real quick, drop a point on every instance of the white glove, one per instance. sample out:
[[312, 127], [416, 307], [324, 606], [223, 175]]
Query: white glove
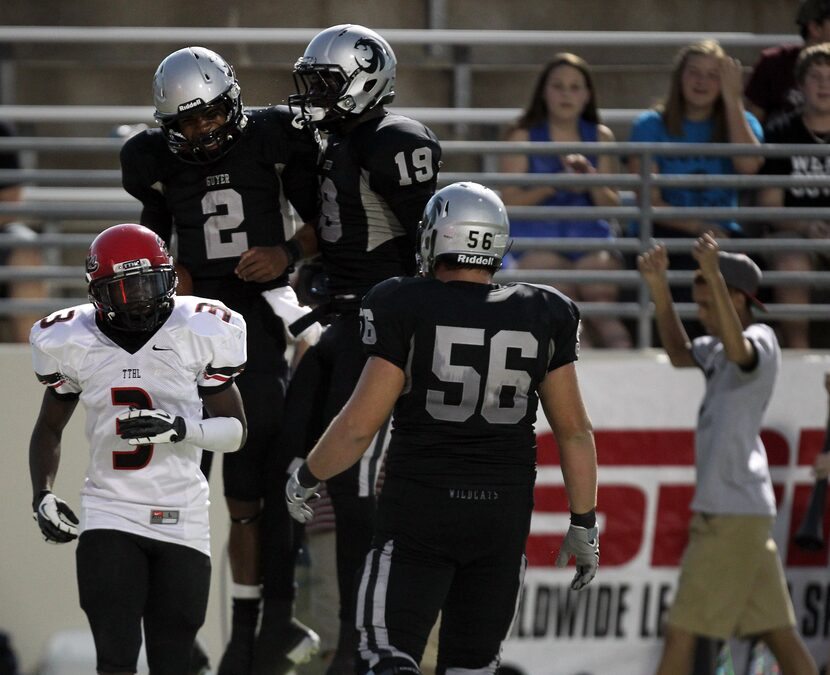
[[144, 427], [583, 544], [297, 496], [283, 302], [55, 519]]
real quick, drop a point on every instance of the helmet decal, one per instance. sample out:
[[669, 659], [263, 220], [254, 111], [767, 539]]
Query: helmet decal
[[375, 60], [345, 71]]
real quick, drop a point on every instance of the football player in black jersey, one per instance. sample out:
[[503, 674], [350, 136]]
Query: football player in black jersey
[[465, 363], [217, 177], [378, 172]]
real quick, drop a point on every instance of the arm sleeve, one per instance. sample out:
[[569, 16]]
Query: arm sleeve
[[136, 180], [229, 349], [403, 169], [647, 128], [387, 326], [565, 333], [299, 177], [48, 368], [755, 126]]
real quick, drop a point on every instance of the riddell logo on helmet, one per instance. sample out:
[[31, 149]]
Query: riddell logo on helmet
[[191, 104], [465, 259]]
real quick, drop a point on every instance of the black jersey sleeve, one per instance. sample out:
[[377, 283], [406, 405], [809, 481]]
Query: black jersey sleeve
[[136, 177], [403, 162], [300, 176], [564, 316], [387, 321]]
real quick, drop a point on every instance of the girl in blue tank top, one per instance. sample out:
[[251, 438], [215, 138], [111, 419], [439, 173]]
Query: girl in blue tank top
[[563, 108]]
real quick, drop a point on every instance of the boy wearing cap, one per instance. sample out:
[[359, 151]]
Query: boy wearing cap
[[731, 580], [771, 89]]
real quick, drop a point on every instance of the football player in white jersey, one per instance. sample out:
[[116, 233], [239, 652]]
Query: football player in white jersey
[[144, 362]]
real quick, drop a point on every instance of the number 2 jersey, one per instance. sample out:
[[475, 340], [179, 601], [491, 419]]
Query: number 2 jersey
[[474, 356], [157, 491], [376, 181], [223, 208]]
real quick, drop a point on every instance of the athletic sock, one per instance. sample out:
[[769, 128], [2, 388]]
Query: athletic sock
[[239, 651]]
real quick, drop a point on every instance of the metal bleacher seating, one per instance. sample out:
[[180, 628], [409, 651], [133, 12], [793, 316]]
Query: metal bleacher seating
[[68, 203]]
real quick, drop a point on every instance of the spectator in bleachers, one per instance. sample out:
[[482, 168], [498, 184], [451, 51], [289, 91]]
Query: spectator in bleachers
[[563, 108], [704, 105], [16, 327], [771, 89], [809, 126]]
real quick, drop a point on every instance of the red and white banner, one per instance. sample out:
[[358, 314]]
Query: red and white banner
[[644, 412]]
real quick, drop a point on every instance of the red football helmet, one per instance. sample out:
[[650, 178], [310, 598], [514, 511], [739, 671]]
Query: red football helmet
[[131, 277]]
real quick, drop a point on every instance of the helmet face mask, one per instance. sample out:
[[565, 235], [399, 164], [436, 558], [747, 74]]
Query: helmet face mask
[[345, 71], [464, 224], [131, 278], [196, 82]]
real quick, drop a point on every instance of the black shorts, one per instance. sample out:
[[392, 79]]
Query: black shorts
[[262, 385], [124, 578], [461, 553]]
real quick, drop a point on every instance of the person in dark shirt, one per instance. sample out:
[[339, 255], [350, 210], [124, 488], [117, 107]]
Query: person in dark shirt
[[464, 363], [771, 90], [810, 125], [378, 172], [215, 177]]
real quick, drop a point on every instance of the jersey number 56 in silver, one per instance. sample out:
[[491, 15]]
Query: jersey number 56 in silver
[[498, 376]]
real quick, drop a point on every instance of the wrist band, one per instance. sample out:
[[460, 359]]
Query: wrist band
[[307, 479], [586, 520], [292, 248]]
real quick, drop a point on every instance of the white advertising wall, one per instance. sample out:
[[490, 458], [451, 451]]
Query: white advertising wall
[[644, 413]]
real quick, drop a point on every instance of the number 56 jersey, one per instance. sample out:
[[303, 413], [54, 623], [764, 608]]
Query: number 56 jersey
[[158, 490], [474, 356]]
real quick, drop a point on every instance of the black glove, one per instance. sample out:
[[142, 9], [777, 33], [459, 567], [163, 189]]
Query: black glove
[[146, 426], [54, 518]]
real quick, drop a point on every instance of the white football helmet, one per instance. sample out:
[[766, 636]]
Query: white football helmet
[[192, 81], [463, 223], [345, 70]]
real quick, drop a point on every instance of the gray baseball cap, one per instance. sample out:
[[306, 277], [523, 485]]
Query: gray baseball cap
[[742, 274]]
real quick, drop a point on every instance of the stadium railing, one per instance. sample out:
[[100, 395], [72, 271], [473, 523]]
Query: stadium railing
[[55, 198]]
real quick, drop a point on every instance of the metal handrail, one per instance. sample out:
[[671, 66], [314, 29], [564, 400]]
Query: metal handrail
[[396, 36], [113, 204]]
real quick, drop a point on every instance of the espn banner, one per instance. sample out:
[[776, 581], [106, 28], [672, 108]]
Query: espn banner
[[644, 413]]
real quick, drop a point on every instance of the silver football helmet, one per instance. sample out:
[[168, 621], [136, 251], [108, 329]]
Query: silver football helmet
[[463, 223], [197, 81], [345, 70]]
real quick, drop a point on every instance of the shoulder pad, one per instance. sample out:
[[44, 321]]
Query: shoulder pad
[[208, 317], [63, 327]]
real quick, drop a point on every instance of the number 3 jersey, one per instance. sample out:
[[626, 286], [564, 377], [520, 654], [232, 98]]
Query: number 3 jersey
[[156, 491], [221, 209], [474, 356]]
